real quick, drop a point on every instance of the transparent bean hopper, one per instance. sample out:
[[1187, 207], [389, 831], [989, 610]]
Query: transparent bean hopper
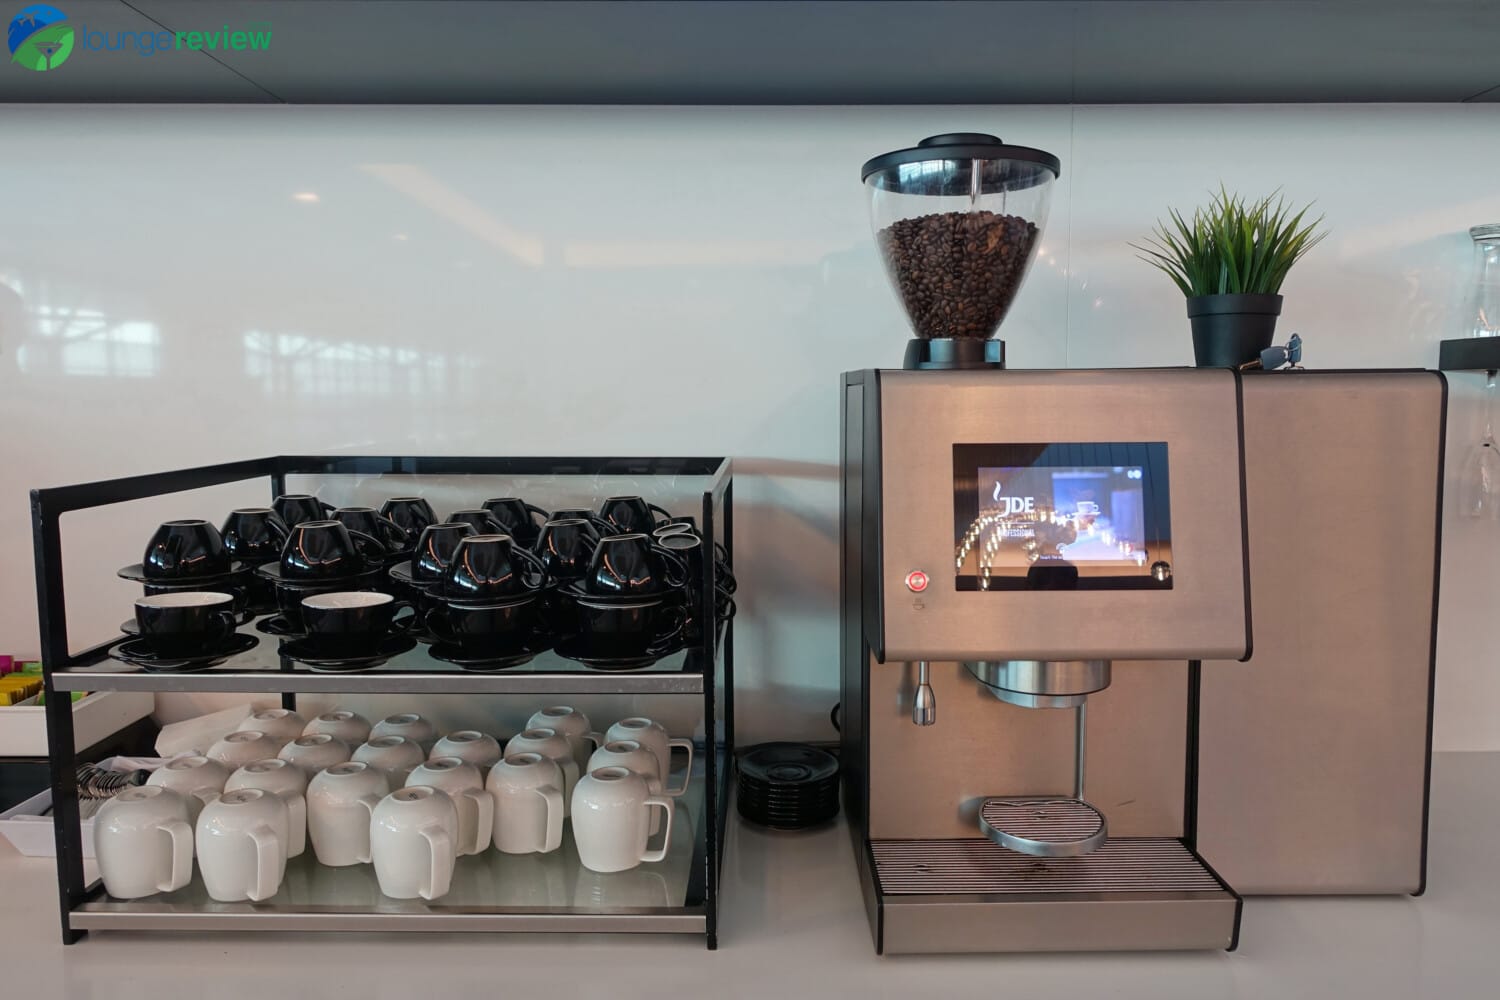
[[958, 219]]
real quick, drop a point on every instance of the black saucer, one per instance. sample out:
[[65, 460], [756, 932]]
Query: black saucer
[[401, 573], [136, 573], [138, 652], [278, 625], [322, 655], [272, 571], [451, 652], [574, 648], [241, 617]]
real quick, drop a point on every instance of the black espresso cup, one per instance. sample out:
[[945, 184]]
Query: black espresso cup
[[631, 514], [410, 514], [688, 547], [185, 622], [566, 546], [614, 628], [254, 535], [482, 521], [324, 550], [493, 626], [632, 565], [185, 550], [486, 567], [435, 548], [244, 589], [601, 526], [518, 519], [368, 521], [296, 508], [355, 618], [290, 595]]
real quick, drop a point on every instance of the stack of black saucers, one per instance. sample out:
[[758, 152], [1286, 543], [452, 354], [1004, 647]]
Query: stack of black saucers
[[788, 786]]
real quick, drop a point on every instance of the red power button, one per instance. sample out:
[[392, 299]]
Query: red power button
[[916, 581]]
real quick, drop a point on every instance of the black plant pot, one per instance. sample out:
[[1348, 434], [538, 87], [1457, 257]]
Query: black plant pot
[[1231, 330]]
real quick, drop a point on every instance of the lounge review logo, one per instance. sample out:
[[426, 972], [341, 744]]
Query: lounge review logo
[[40, 37]]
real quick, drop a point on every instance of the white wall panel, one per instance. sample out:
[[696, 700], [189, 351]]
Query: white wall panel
[[655, 281]]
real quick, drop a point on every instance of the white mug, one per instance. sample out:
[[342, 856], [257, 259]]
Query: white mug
[[315, 753], [395, 755], [471, 746], [413, 833], [239, 748], [197, 779], [242, 842], [349, 727], [654, 737], [285, 779], [549, 743], [408, 724], [461, 781], [143, 842], [281, 724], [632, 757], [527, 788], [340, 802], [612, 821], [575, 726]]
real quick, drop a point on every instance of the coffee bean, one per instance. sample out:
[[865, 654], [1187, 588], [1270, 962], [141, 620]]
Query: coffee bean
[[958, 272]]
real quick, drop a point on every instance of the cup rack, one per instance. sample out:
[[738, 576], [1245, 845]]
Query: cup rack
[[682, 896]]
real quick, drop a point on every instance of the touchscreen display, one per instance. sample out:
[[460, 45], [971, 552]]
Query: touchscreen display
[[1061, 516]]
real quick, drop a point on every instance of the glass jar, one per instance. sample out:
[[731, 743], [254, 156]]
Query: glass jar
[[958, 219], [1482, 315]]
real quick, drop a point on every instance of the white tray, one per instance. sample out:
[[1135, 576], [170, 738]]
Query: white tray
[[23, 728]]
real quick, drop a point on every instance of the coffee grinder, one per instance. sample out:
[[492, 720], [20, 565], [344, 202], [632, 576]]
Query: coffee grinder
[[1036, 566]]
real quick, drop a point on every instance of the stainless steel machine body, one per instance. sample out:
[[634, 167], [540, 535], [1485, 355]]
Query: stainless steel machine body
[[1308, 769], [1313, 762]]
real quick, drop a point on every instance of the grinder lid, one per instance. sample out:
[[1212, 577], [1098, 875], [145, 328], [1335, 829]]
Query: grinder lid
[[1028, 167]]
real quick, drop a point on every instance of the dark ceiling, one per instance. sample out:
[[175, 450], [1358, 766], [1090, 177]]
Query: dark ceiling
[[1089, 52]]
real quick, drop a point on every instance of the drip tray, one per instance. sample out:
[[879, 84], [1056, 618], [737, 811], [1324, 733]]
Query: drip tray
[[1132, 894]]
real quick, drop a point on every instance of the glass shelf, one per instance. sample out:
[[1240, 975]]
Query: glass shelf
[[260, 670], [490, 891]]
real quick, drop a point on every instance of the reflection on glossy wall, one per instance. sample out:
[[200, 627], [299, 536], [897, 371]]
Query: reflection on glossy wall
[[187, 285]]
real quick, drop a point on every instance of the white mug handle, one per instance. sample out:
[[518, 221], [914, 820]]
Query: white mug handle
[[441, 847], [485, 803], [687, 775], [552, 819], [181, 835], [369, 802], [660, 854], [267, 862]]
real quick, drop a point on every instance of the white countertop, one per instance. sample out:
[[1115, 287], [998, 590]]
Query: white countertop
[[793, 926]]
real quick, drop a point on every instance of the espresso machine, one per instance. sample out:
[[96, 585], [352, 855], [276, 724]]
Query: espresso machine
[[1058, 734]]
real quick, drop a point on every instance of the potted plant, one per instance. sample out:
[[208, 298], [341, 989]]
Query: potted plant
[[1230, 260]]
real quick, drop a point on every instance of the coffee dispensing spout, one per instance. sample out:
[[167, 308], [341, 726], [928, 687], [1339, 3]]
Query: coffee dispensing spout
[[924, 703]]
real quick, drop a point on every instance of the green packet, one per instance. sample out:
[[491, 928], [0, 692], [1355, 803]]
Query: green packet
[[41, 699], [31, 668]]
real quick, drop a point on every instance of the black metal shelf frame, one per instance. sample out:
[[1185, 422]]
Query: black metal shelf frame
[[707, 669]]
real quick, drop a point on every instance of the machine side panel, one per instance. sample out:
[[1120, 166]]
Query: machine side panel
[[1193, 412], [1312, 768], [933, 778], [851, 627]]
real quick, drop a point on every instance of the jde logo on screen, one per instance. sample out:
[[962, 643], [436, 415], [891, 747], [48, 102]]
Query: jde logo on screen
[[1010, 506], [42, 38]]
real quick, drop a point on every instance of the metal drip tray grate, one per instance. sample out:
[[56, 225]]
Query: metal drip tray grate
[[1044, 828], [1129, 864]]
